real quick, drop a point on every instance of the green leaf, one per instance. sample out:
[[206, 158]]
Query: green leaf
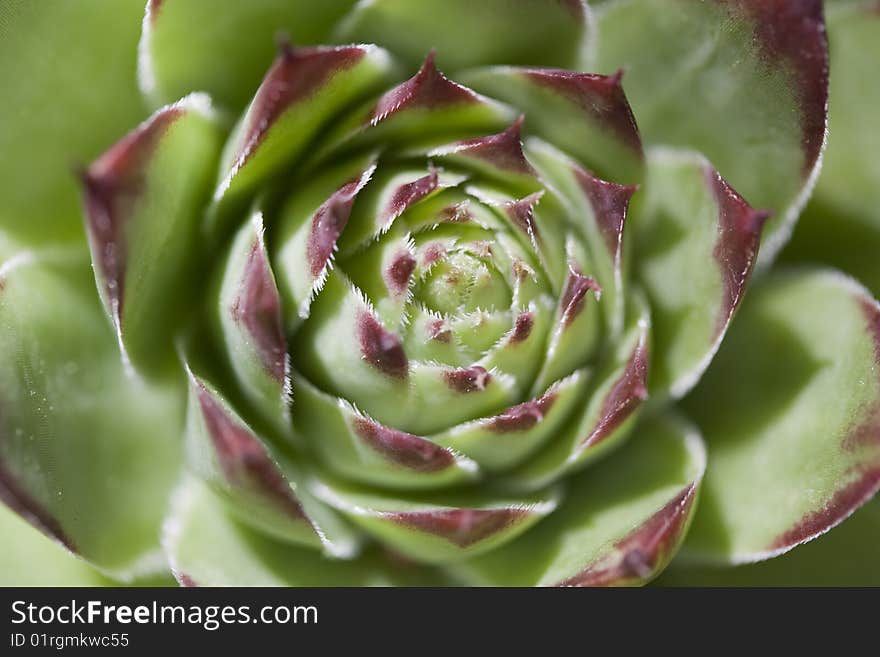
[[250, 324], [586, 115], [258, 483], [300, 94], [846, 556], [439, 527], [363, 450], [612, 404], [841, 226], [598, 210], [417, 113], [743, 82], [791, 413], [696, 241], [206, 547], [29, 558], [507, 439], [69, 92], [223, 48], [144, 200], [87, 454], [538, 32], [620, 523]]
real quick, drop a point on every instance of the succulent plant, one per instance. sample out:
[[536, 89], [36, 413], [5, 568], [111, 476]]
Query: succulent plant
[[394, 292]]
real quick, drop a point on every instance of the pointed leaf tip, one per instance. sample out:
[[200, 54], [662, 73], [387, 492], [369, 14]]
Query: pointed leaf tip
[[645, 550], [112, 185], [330, 220], [242, 458], [626, 395], [427, 89], [610, 203], [600, 97], [736, 251], [258, 307], [574, 295], [380, 347], [502, 151], [296, 74]]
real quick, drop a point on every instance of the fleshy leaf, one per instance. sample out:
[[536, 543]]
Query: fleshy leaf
[[599, 209], [300, 94], [251, 327], [506, 439], [619, 524], [846, 556], [259, 487], [614, 401], [207, 547], [584, 114], [697, 242], [841, 225], [366, 451], [745, 83], [416, 113], [223, 49], [791, 413], [144, 199], [69, 93], [29, 558], [439, 528], [311, 224], [87, 454], [539, 32]]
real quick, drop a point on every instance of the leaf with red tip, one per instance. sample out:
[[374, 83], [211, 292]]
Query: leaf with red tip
[[540, 32], [795, 445], [499, 157], [619, 524], [250, 325], [697, 241], [506, 439], [520, 352], [599, 215], [223, 49], [207, 546], [587, 116], [144, 199], [239, 466], [744, 82], [613, 403], [441, 528], [73, 424], [841, 225], [364, 450], [395, 192], [576, 329], [302, 91], [311, 223], [420, 112], [846, 556]]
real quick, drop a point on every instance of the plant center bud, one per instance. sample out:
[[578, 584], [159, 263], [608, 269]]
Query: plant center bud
[[463, 283]]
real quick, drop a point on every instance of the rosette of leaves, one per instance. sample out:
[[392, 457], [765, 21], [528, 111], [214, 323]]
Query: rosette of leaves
[[406, 296]]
